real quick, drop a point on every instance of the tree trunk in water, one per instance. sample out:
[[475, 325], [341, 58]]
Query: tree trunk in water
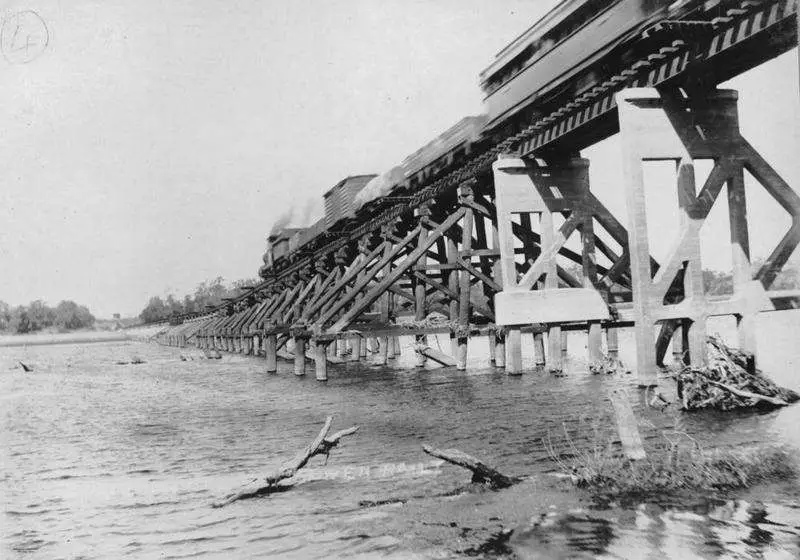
[[321, 445], [480, 471]]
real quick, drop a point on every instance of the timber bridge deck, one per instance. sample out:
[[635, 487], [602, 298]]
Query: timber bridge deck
[[475, 242]]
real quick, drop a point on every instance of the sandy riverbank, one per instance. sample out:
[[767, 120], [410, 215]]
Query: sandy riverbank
[[38, 339]]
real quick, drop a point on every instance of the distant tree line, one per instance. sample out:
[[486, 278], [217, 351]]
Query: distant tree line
[[37, 315], [718, 283], [207, 294]]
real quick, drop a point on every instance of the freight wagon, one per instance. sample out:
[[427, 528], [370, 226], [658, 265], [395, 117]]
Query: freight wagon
[[339, 200]]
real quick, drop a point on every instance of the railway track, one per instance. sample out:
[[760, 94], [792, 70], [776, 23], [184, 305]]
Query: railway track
[[688, 54]]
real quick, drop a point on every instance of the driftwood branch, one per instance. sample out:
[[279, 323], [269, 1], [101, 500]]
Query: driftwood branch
[[748, 394], [436, 355], [481, 472], [321, 445]]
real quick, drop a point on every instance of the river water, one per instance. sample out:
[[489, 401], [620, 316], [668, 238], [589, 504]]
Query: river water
[[101, 460]]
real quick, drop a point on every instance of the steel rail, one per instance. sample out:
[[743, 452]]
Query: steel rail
[[752, 28]]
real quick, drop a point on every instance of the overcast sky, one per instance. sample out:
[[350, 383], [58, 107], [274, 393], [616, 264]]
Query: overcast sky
[[151, 145]]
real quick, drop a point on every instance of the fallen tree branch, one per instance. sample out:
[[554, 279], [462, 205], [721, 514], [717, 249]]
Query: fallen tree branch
[[748, 394], [321, 445], [480, 471], [436, 355]]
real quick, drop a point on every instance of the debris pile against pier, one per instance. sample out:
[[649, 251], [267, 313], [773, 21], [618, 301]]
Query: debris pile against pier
[[607, 365], [729, 382]]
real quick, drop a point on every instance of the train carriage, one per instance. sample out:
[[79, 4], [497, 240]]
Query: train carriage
[[559, 49], [575, 47]]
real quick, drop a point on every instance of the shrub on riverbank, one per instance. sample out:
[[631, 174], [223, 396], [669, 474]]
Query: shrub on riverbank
[[681, 468]]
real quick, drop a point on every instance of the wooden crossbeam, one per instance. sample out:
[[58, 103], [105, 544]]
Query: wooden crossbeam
[[234, 319], [568, 278], [282, 340], [296, 309], [548, 253], [329, 294], [211, 327], [527, 236], [245, 320], [402, 293], [610, 223], [608, 252], [480, 275], [699, 210], [279, 312], [239, 317], [383, 263], [787, 198], [349, 274], [270, 311], [372, 295], [443, 266], [451, 295], [259, 312], [229, 320], [617, 270], [365, 272], [332, 277], [245, 317], [431, 254], [275, 301], [434, 284]]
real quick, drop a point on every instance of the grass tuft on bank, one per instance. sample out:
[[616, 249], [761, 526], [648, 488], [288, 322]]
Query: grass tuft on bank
[[682, 468]]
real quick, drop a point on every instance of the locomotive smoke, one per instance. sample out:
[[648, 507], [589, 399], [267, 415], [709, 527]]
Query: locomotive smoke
[[283, 220]]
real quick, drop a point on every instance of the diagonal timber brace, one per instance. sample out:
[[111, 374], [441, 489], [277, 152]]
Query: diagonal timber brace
[[374, 293]]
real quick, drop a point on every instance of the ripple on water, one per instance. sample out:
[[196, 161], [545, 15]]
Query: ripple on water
[[134, 457]]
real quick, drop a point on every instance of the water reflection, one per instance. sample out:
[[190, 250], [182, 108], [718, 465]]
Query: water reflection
[[710, 529]]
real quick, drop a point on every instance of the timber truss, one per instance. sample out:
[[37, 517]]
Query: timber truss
[[515, 241], [496, 258]]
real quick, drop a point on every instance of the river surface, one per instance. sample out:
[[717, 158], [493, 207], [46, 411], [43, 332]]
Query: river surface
[[101, 460]]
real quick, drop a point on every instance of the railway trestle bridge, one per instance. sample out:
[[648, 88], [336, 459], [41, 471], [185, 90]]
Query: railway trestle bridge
[[482, 242]]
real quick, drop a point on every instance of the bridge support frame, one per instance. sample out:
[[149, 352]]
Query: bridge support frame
[[525, 191], [668, 125]]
